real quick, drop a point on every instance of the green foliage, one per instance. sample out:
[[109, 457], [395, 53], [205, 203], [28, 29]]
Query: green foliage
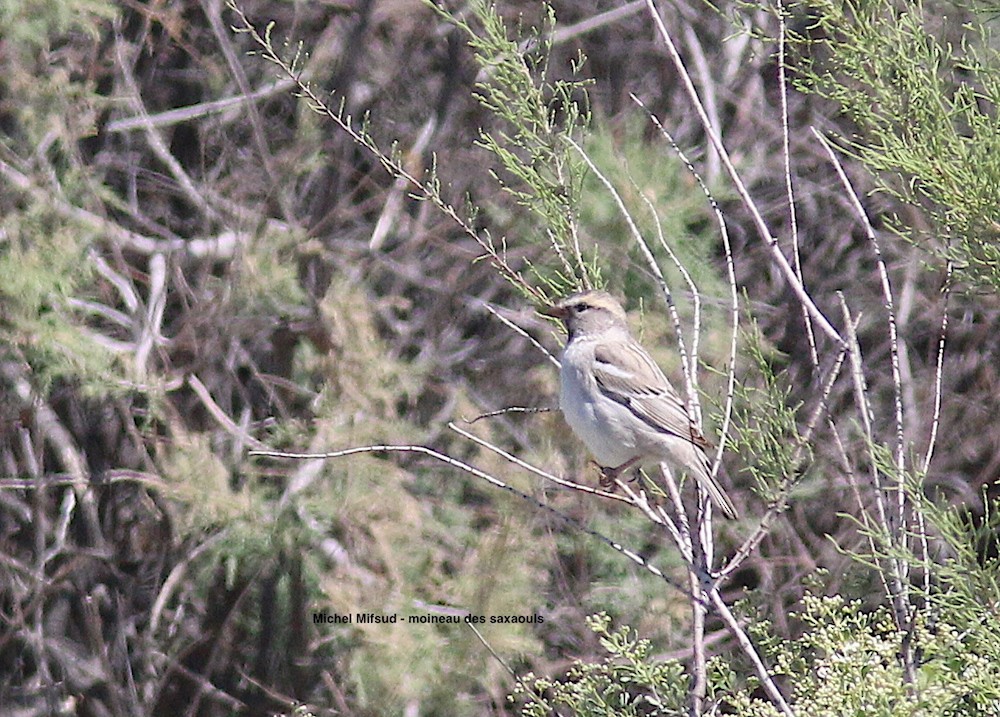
[[45, 274], [923, 89], [848, 659], [265, 282], [765, 430], [663, 200], [32, 25], [42, 266], [966, 587], [541, 170], [49, 100], [626, 683], [847, 663]]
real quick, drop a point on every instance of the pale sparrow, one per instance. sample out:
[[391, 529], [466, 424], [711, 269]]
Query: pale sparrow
[[617, 400]]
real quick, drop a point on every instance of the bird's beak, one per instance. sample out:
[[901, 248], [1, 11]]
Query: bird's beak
[[555, 311]]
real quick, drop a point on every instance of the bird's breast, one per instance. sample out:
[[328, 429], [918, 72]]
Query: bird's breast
[[592, 416]]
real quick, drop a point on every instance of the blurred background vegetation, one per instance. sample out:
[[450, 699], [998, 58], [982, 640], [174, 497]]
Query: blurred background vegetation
[[193, 264]]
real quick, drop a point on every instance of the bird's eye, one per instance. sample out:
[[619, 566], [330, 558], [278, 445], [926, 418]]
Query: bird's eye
[[580, 308]]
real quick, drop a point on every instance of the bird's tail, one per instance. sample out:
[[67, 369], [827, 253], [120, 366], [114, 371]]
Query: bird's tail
[[701, 468], [718, 496]]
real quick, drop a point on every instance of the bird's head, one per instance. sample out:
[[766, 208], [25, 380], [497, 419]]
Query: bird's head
[[588, 312]]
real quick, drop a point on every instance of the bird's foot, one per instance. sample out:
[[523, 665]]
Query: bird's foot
[[610, 475], [607, 480]]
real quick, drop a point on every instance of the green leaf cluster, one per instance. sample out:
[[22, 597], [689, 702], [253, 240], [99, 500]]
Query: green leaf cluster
[[765, 425], [538, 116], [847, 662], [627, 682], [40, 274], [921, 82]]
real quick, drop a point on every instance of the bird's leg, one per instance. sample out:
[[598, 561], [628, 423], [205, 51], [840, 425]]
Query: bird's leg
[[610, 475]]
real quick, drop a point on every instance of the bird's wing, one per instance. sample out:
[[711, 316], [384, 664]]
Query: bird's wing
[[626, 374]]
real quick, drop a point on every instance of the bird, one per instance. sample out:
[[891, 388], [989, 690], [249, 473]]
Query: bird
[[617, 400]]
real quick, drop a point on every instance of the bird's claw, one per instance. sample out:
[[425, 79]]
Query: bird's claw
[[609, 476]]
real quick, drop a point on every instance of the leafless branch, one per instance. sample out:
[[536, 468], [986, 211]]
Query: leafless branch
[[789, 189], [723, 611], [532, 469]]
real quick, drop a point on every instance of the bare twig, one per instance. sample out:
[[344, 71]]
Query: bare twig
[[521, 332], [699, 658], [653, 266], [864, 516], [526, 685], [154, 313], [173, 580], [789, 190], [36, 630], [213, 11], [220, 416], [890, 313], [124, 285], [395, 196], [938, 373], [392, 163], [935, 424], [509, 409], [220, 247], [63, 444], [596, 22], [681, 534], [689, 368], [778, 506], [898, 593], [900, 566], [202, 109], [193, 194], [532, 469], [708, 88]]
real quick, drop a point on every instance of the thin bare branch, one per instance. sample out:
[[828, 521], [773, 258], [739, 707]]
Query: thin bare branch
[[890, 312], [939, 372], [213, 11], [193, 194], [778, 506], [392, 164], [521, 332], [898, 592], [596, 22], [155, 305], [220, 247], [789, 189], [220, 416], [532, 469], [651, 263], [507, 410], [202, 109]]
